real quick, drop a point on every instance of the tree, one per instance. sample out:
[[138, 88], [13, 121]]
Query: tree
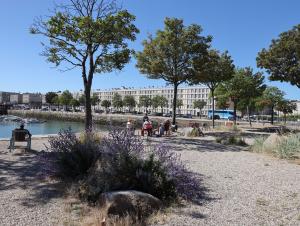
[[65, 98], [179, 104], [74, 103], [243, 87], [159, 101], [129, 102], [106, 104], [95, 100], [216, 69], [199, 104], [82, 100], [56, 100], [271, 97], [286, 107], [145, 101], [90, 35], [50, 97], [282, 59], [171, 54], [117, 101]]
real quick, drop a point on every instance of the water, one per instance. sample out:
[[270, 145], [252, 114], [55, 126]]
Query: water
[[49, 127]]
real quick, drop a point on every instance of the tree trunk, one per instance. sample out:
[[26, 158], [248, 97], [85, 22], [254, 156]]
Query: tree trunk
[[213, 107], [88, 108], [234, 112], [272, 115], [284, 115], [248, 110], [174, 104], [200, 113]]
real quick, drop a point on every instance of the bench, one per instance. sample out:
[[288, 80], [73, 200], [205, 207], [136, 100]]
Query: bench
[[20, 135]]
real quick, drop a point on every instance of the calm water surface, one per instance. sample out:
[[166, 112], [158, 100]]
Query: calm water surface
[[49, 127]]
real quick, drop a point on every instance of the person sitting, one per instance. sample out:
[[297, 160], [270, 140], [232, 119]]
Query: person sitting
[[20, 135], [160, 130], [167, 125], [147, 126]]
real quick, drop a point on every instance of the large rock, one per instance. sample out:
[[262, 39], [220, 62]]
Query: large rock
[[272, 141], [133, 203]]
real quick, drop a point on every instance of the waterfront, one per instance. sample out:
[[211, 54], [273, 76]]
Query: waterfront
[[48, 127]]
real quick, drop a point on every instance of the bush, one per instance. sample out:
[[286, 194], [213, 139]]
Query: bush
[[127, 165], [68, 157], [258, 145], [231, 140], [289, 147]]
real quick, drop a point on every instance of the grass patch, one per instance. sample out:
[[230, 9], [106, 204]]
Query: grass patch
[[287, 147]]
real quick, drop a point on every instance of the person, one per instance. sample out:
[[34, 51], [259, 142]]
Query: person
[[25, 130], [160, 130], [147, 126], [129, 124], [145, 118], [167, 125]]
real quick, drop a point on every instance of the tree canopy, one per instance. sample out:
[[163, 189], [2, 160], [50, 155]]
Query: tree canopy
[[129, 102], [171, 54], [66, 97], [217, 68], [50, 97], [145, 101], [106, 104], [117, 101], [88, 34], [244, 86], [282, 59], [199, 104]]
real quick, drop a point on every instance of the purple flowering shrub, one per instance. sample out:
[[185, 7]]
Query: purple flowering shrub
[[126, 164], [68, 157]]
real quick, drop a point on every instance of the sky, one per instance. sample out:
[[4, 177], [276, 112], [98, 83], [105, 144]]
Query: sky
[[241, 27]]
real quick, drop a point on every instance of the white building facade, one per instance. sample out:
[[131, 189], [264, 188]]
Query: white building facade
[[187, 94]]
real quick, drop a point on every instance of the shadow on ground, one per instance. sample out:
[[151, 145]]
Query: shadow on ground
[[201, 145], [21, 170]]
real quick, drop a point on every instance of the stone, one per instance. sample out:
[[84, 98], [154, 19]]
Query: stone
[[131, 202], [272, 141]]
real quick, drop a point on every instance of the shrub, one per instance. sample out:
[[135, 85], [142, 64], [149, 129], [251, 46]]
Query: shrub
[[231, 140], [195, 132], [258, 145], [288, 147], [68, 157], [127, 164]]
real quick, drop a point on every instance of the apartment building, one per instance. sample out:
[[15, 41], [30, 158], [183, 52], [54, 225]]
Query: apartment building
[[187, 94], [32, 98], [16, 98], [5, 97]]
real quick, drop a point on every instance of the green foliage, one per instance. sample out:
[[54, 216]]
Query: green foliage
[[216, 68], [66, 98], [242, 88], [106, 104], [74, 103], [195, 132], [92, 36], [117, 101], [286, 106], [287, 147], [50, 97], [145, 101], [159, 101], [82, 99], [282, 59], [129, 101], [95, 99], [171, 54], [199, 104]]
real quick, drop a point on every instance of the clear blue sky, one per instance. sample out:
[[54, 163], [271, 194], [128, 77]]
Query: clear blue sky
[[241, 27]]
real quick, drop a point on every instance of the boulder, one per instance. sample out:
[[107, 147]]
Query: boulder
[[133, 203], [272, 141]]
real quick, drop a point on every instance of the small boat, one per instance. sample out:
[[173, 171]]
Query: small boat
[[32, 120]]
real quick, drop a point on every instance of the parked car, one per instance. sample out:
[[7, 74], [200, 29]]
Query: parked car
[[215, 117], [167, 115], [187, 116]]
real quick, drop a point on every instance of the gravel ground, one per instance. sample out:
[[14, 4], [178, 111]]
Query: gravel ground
[[25, 199], [242, 188]]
